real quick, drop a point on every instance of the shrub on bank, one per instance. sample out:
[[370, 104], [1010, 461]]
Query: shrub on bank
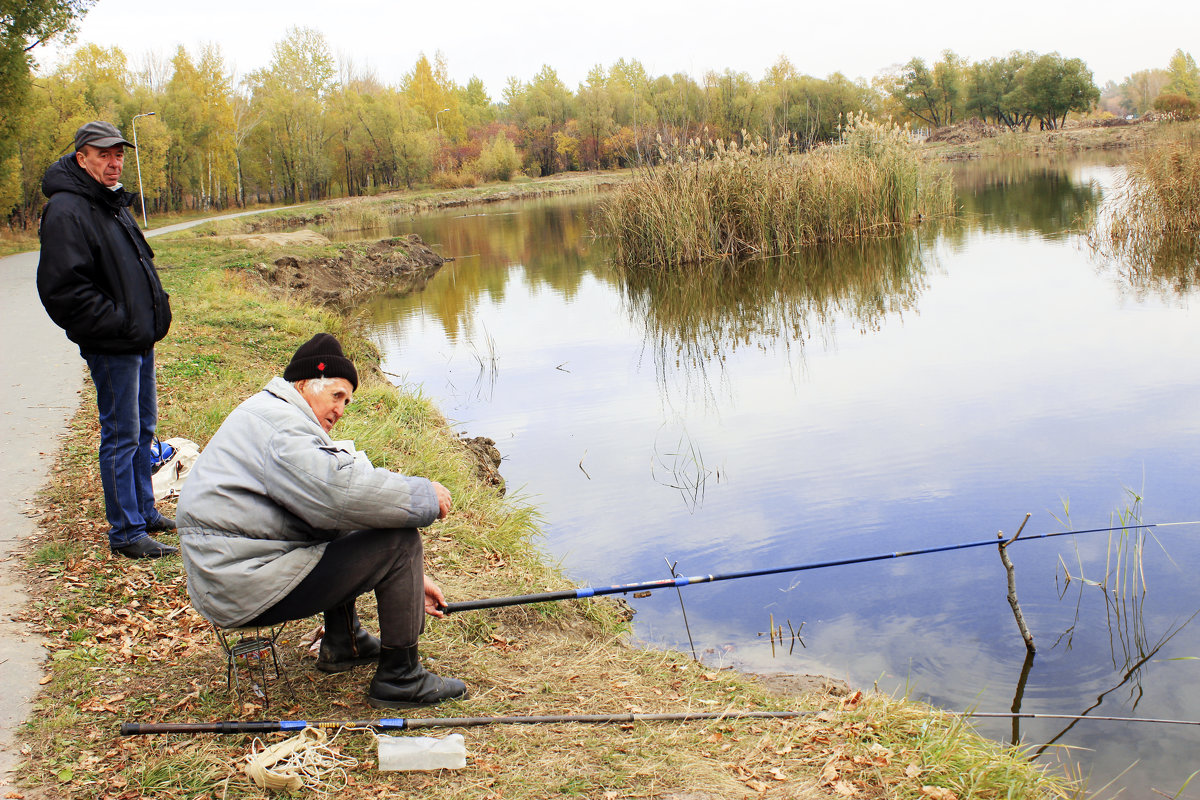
[[724, 200], [455, 179], [499, 161]]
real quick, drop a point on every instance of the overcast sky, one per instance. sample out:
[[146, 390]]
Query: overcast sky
[[495, 40]]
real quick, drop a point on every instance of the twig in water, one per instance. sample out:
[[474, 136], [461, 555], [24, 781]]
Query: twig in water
[[682, 608], [1012, 584], [581, 469]]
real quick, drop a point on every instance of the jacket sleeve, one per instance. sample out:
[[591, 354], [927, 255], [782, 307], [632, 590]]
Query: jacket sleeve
[[68, 277], [330, 489]]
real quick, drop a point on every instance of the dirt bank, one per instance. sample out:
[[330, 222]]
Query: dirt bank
[[398, 265], [975, 139]]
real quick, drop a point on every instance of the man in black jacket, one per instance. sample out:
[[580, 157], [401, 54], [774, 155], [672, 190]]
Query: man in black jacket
[[97, 280]]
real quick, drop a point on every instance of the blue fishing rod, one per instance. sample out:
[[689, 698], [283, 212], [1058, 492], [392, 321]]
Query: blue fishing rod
[[679, 581], [402, 724], [405, 724]]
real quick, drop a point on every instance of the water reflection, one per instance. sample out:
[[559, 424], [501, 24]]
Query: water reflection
[[1171, 267], [547, 241], [695, 320], [1044, 196]]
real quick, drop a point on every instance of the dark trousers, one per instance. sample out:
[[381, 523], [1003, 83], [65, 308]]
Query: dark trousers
[[390, 562], [127, 399]]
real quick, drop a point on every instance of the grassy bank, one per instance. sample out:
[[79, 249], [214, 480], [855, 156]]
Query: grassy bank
[[739, 202]]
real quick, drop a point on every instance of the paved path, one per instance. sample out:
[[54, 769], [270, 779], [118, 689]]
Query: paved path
[[44, 375]]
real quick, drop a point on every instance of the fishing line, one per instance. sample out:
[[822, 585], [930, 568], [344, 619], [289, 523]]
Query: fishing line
[[1024, 715], [625, 588]]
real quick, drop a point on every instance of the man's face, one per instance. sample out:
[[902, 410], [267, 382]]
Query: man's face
[[328, 402], [102, 163]]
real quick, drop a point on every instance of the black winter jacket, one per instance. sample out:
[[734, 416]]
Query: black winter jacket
[[96, 274]]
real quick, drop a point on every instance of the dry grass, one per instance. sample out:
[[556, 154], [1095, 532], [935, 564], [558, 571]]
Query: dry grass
[[127, 646], [1152, 228], [725, 201]]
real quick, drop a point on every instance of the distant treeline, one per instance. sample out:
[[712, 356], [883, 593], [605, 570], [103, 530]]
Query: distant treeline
[[306, 127]]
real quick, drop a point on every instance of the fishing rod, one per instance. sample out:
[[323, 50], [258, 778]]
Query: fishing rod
[[645, 586], [1026, 715], [400, 724]]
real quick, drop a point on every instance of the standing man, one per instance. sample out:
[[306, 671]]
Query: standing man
[[97, 280]]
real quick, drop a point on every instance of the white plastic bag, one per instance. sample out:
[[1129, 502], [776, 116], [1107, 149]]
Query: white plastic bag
[[168, 480], [422, 752]]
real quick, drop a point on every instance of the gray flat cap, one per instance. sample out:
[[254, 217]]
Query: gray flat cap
[[99, 134]]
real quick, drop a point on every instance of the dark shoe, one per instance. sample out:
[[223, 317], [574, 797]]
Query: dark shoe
[[401, 682], [163, 525], [146, 547], [345, 644]]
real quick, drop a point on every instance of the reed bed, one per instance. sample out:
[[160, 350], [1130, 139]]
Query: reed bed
[[723, 200], [1162, 188], [1153, 228]]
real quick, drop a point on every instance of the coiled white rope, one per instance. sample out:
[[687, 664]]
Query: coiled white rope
[[307, 759]]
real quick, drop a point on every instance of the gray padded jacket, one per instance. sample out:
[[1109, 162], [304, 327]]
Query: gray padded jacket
[[268, 491]]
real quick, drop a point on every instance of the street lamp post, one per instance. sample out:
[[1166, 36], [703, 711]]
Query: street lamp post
[[437, 121], [138, 157]]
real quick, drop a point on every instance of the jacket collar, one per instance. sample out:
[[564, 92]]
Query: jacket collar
[[286, 392]]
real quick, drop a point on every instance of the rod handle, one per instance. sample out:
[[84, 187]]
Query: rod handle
[[518, 600], [138, 728]]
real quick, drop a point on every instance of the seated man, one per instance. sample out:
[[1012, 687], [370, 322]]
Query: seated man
[[279, 522]]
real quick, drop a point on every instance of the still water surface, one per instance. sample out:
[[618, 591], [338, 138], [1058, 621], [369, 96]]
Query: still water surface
[[876, 397]]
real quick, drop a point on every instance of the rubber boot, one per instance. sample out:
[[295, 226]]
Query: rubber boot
[[345, 644], [401, 682]]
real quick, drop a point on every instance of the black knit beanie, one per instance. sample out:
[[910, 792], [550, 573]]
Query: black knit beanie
[[320, 357]]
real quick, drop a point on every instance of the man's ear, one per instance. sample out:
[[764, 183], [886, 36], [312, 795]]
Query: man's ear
[[79, 157]]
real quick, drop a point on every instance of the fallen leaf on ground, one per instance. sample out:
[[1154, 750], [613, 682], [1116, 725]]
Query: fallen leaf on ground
[[938, 793]]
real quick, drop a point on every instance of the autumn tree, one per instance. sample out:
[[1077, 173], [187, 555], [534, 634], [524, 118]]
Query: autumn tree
[[1185, 76], [994, 90], [24, 25], [540, 109], [1055, 86], [932, 96], [431, 92], [595, 117], [475, 105], [1139, 89], [198, 107], [731, 104], [293, 92]]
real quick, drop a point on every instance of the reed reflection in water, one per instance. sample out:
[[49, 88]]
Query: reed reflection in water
[[694, 319]]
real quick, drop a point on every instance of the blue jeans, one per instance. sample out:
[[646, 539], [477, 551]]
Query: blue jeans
[[127, 399]]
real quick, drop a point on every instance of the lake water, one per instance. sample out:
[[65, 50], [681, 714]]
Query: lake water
[[882, 396]]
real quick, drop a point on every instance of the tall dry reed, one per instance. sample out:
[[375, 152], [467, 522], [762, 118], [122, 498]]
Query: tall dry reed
[[718, 200], [1153, 227]]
